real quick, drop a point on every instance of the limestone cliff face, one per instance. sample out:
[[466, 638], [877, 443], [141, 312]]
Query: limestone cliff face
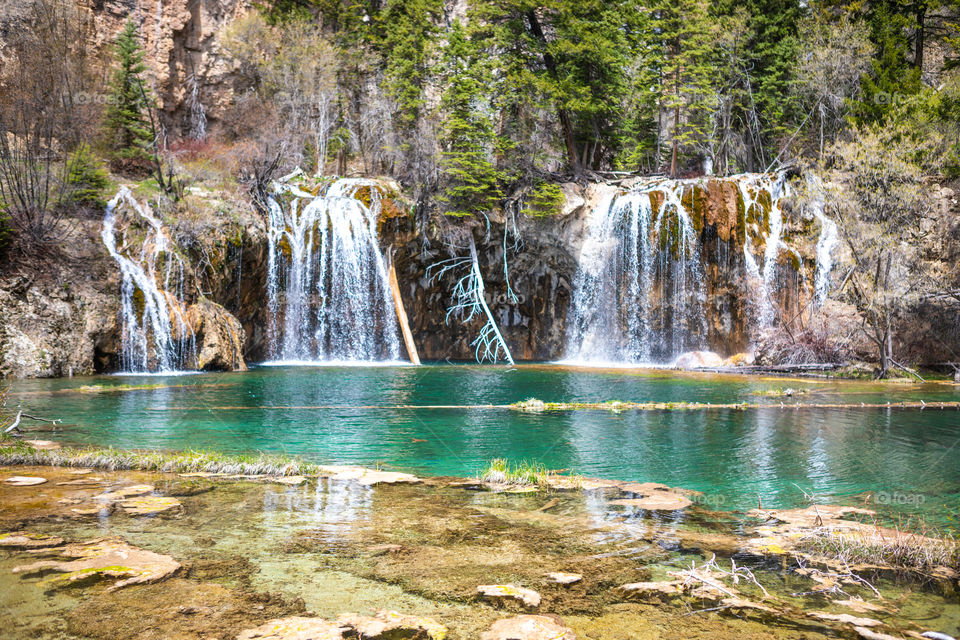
[[541, 261], [182, 50], [59, 315], [542, 258]]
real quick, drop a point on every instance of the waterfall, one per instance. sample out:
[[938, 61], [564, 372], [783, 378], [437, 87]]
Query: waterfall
[[155, 336], [639, 287], [827, 241], [763, 224], [640, 291], [328, 296]]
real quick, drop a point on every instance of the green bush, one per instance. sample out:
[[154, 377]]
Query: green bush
[[87, 178], [546, 199]]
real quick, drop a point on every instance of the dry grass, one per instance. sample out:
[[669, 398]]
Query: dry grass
[[922, 551]]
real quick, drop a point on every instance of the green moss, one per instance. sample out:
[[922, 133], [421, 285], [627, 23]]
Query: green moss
[[694, 201]]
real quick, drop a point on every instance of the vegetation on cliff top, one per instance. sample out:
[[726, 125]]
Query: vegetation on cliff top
[[489, 106]]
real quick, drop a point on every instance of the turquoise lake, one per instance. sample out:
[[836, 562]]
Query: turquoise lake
[[908, 459]]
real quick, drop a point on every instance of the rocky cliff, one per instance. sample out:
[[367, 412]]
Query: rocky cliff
[[61, 314]]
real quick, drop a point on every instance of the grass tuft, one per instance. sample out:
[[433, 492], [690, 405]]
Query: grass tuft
[[523, 474], [886, 548]]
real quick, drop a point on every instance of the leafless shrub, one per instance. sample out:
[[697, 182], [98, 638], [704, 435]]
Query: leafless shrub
[[813, 344], [43, 117]]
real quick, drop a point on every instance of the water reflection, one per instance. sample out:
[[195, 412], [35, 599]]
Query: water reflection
[[364, 416]]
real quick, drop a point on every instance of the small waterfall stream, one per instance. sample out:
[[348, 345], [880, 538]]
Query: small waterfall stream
[[155, 336], [328, 294], [828, 241]]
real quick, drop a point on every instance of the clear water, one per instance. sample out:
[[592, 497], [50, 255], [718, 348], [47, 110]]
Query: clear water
[[366, 415]]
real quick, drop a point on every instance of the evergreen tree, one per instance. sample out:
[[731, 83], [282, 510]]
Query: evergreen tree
[[892, 77], [773, 50], [567, 56], [470, 180], [129, 137], [689, 68], [86, 177], [407, 33]]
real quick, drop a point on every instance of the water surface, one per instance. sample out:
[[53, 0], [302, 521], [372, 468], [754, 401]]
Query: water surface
[[909, 460]]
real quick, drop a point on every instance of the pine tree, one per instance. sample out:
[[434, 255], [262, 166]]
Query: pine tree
[[773, 50], [689, 68], [408, 30], [129, 137], [892, 76], [470, 180], [567, 56]]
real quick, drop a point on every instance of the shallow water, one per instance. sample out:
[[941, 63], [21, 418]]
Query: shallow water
[[253, 552], [908, 459]]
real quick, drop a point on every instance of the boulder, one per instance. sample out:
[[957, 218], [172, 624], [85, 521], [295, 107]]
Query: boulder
[[528, 628], [219, 335], [390, 625], [150, 505], [740, 360], [655, 591], [698, 360], [560, 577], [845, 618], [657, 501], [384, 625], [125, 492], [572, 198], [654, 497], [502, 592], [365, 476], [295, 628], [24, 481]]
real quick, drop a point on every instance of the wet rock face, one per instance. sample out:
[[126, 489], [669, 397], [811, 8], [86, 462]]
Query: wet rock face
[[541, 265], [541, 260], [219, 337], [58, 315]]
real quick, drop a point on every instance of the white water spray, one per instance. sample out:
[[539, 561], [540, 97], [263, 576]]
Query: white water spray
[[639, 287], [826, 243], [328, 292]]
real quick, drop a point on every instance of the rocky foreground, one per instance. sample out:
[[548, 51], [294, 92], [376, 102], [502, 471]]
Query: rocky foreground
[[347, 552]]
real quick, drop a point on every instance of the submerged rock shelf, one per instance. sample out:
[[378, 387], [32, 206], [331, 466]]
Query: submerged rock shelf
[[428, 560]]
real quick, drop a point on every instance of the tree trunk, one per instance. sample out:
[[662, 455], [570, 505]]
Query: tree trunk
[[676, 122], [565, 124], [921, 13]]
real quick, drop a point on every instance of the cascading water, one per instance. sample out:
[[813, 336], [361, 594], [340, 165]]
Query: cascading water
[[639, 288], [763, 223], [826, 243], [328, 292], [155, 336], [640, 292]]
